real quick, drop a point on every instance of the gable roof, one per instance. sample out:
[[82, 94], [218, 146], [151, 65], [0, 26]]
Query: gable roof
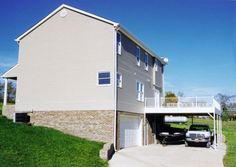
[[58, 9], [117, 26]]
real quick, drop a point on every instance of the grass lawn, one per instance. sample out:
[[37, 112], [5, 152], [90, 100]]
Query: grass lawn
[[0, 108], [23, 145], [229, 131]]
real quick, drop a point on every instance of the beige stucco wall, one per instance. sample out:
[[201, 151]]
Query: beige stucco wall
[[93, 125], [58, 65]]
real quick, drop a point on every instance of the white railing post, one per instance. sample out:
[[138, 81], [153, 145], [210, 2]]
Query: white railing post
[[145, 102], [5, 93], [155, 101], [178, 102], [196, 101], [158, 101]]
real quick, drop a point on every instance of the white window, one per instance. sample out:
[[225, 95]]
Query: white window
[[119, 80], [104, 78], [146, 61], [118, 43], [138, 55], [156, 65], [139, 91]]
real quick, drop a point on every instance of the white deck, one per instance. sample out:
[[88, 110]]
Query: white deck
[[183, 105]]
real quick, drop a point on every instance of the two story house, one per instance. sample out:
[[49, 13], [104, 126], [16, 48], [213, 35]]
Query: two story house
[[86, 76]]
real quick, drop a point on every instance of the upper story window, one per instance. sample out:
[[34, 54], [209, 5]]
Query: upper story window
[[119, 80], [156, 63], [146, 61], [138, 55], [104, 78], [139, 91], [118, 43]]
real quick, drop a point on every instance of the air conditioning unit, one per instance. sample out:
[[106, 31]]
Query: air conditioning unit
[[21, 117]]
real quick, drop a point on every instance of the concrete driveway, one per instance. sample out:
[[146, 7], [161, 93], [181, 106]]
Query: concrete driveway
[[168, 156]]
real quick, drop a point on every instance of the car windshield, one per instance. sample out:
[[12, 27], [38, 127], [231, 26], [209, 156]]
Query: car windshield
[[199, 128]]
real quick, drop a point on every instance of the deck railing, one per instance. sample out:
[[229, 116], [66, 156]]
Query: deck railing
[[183, 102]]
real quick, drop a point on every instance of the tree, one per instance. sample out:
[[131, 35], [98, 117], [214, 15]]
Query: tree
[[227, 104], [170, 98], [223, 100], [1, 91], [11, 92]]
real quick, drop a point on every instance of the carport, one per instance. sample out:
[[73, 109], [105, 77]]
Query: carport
[[186, 106]]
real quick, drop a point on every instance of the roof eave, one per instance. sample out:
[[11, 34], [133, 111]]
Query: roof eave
[[138, 42], [4, 76]]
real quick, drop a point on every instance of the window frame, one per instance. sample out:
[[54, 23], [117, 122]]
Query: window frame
[[146, 61], [140, 91], [156, 65], [118, 44], [120, 81], [103, 78], [138, 56]]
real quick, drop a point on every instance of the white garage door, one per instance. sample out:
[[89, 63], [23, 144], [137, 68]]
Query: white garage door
[[130, 131]]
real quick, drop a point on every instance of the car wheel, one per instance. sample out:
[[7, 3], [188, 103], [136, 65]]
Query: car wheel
[[186, 144], [208, 145]]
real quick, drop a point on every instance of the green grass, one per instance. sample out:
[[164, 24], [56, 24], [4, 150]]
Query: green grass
[[23, 145], [0, 108], [195, 121], [229, 131]]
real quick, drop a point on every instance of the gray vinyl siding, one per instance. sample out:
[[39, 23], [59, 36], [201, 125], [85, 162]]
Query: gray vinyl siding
[[131, 73], [59, 62], [158, 80]]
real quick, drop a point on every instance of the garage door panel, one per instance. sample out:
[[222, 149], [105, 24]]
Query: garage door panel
[[130, 133]]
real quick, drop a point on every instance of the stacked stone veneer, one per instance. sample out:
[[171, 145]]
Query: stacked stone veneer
[[94, 125], [8, 111]]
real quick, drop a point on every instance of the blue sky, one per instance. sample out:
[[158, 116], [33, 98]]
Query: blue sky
[[198, 36]]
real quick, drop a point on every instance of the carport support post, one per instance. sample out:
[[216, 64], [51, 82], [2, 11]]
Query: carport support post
[[5, 93], [217, 127], [221, 136], [144, 129], [214, 130]]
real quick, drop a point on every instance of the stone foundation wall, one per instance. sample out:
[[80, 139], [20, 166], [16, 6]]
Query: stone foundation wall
[[94, 125], [8, 111]]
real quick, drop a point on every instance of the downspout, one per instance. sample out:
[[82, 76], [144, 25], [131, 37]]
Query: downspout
[[115, 87]]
